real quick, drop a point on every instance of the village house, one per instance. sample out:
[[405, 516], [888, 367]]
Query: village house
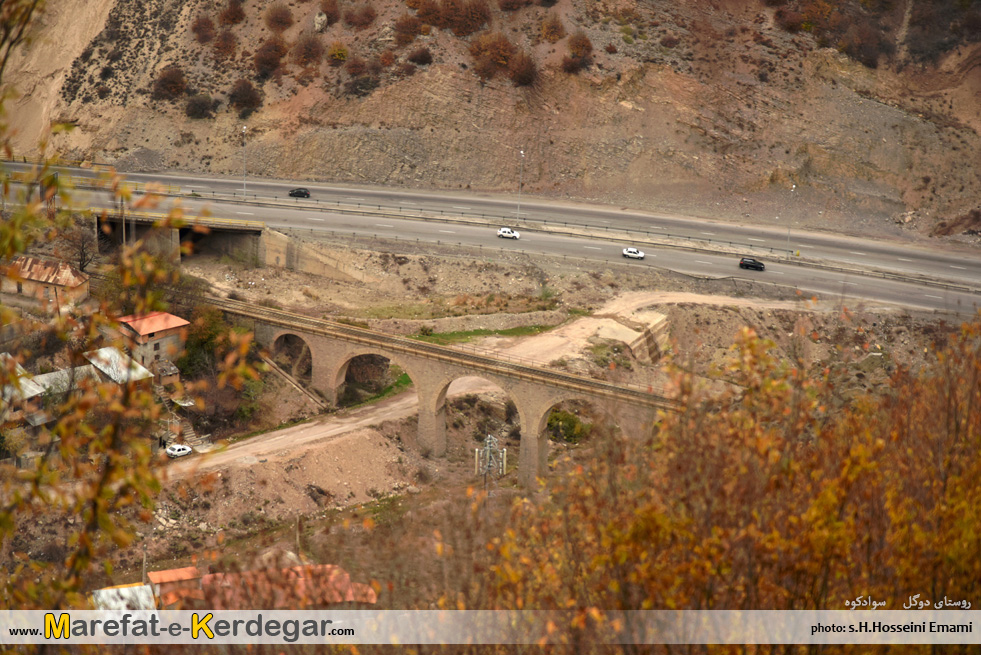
[[153, 337], [52, 285], [118, 367]]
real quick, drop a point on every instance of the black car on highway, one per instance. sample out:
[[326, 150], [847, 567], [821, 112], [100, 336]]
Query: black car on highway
[[300, 193], [749, 262]]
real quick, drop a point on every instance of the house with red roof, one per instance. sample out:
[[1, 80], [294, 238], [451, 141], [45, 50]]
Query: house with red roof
[[154, 337], [310, 586], [53, 285]]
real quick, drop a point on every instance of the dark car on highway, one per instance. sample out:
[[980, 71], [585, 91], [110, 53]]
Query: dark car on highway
[[749, 262], [300, 193]]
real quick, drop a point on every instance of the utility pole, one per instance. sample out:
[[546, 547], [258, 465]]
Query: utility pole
[[521, 175], [243, 161]]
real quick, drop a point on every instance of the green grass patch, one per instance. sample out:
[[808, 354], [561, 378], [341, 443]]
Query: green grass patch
[[410, 311], [386, 510], [446, 338]]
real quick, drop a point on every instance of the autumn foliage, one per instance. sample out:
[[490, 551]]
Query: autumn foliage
[[781, 494]]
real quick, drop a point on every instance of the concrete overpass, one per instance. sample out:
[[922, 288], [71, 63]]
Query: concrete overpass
[[225, 234], [534, 390]]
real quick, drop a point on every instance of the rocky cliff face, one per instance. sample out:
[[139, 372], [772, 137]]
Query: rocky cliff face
[[709, 109]]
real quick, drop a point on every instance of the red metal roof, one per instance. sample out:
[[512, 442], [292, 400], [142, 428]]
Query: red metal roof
[[155, 322], [174, 575], [56, 273]]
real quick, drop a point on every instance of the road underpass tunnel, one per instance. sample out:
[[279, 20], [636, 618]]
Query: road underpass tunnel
[[579, 422], [370, 376], [292, 354]]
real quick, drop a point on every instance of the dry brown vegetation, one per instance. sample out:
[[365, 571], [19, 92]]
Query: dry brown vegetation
[[170, 84], [269, 57], [203, 28], [278, 17], [361, 16], [232, 14], [308, 50], [552, 29]]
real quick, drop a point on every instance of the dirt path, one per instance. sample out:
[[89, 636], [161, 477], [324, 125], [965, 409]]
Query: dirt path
[[296, 440]]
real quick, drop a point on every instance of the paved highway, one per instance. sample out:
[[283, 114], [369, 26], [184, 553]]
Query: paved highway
[[268, 201]]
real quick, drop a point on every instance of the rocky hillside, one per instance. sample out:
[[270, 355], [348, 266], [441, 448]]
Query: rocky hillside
[[844, 115]]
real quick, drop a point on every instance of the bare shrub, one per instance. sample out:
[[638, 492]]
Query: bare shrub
[[552, 29], [269, 57], [170, 84], [332, 10], [522, 69], [337, 53], [308, 50], [407, 28], [571, 64], [670, 41], [428, 12], [225, 45], [610, 48], [278, 17], [356, 66], [789, 20], [233, 14], [199, 106], [361, 85], [203, 28], [495, 46], [360, 17], [485, 68], [387, 58], [464, 17], [512, 5], [244, 97], [405, 69], [580, 47], [421, 56]]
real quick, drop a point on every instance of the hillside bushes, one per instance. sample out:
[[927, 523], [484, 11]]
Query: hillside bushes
[[308, 50], [332, 10], [580, 53], [170, 84], [360, 17], [407, 28], [462, 17], [278, 17], [225, 45], [199, 106], [203, 28], [421, 56], [552, 29], [269, 57], [244, 97], [233, 14]]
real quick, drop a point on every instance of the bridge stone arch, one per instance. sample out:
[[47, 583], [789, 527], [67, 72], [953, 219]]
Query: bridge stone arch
[[279, 342], [337, 373], [534, 395]]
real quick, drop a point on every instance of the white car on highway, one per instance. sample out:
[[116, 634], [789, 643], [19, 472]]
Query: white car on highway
[[508, 233], [633, 253]]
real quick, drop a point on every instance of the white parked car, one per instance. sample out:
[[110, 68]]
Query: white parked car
[[508, 233], [633, 253], [178, 450]]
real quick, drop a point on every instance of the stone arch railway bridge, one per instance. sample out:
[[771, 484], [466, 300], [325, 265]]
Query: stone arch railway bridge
[[432, 368]]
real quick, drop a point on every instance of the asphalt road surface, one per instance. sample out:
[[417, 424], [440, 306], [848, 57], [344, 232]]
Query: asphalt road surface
[[605, 234]]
